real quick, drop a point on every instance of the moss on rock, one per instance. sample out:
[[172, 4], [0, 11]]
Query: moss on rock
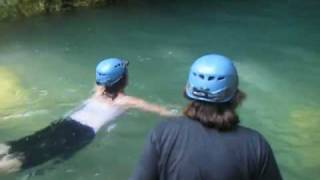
[[25, 8], [31, 7], [8, 9]]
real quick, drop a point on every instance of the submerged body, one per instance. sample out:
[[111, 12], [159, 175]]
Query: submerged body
[[78, 128], [96, 113], [68, 135]]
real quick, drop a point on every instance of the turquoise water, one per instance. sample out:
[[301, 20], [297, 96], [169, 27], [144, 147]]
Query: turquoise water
[[47, 67]]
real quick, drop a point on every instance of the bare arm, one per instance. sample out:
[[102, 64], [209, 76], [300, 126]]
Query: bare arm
[[133, 102]]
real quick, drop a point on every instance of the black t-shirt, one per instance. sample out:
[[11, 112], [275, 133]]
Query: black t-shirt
[[184, 149]]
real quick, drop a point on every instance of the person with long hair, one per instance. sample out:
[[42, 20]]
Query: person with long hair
[[78, 128], [207, 142]]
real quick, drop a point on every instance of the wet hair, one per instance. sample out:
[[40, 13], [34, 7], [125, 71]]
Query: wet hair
[[113, 91], [221, 116]]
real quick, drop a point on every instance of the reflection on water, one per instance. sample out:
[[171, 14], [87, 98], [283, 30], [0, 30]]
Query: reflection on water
[[47, 67], [11, 93]]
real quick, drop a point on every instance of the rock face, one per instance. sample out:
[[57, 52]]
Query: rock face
[[25, 8]]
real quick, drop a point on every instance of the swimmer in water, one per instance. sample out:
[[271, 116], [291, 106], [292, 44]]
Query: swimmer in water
[[78, 128]]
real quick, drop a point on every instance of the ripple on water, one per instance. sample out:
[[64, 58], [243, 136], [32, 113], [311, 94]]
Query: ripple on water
[[26, 114]]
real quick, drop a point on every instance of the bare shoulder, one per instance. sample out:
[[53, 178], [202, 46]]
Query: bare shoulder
[[125, 100]]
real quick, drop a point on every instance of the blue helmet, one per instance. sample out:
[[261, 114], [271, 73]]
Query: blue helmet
[[212, 78], [110, 71]]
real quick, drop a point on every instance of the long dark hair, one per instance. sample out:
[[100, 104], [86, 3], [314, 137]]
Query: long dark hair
[[221, 116]]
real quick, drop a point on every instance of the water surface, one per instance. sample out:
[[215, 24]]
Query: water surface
[[47, 67]]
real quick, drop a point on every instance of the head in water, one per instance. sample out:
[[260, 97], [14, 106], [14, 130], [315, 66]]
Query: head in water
[[111, 76], [212, 87]]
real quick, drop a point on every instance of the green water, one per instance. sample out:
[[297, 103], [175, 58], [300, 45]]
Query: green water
[[47, 67]]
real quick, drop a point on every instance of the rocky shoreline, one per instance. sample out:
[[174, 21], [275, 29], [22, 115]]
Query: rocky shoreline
[[11, 9]]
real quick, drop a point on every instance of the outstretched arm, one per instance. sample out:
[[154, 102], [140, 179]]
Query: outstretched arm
[[133, 102]]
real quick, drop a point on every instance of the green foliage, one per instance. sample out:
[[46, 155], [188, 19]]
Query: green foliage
[[25, 8], [31, 7]]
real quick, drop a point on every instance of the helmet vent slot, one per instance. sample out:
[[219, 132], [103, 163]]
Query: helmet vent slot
[[201, 76], [210, 78], [221, 78], [194, 74]]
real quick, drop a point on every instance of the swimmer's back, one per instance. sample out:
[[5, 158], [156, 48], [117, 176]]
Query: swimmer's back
[[186, 150], [96, 113]]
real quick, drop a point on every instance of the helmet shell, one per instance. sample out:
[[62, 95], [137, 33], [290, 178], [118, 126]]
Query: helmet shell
[[110, 71], [212, 78]]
